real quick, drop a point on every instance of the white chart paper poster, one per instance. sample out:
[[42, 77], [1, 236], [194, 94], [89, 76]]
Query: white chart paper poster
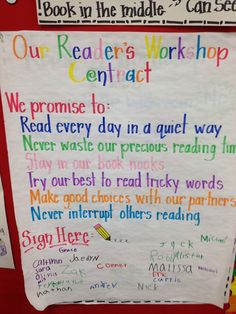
[[122, 158], [6, 259]]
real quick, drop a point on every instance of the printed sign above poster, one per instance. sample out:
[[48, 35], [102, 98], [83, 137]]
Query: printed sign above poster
[[122, 161], [130, 12]]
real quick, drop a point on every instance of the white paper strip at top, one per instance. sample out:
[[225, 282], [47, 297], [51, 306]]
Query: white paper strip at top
[[129, 12]]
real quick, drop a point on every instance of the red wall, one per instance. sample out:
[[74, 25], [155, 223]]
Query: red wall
[[22, 16]]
